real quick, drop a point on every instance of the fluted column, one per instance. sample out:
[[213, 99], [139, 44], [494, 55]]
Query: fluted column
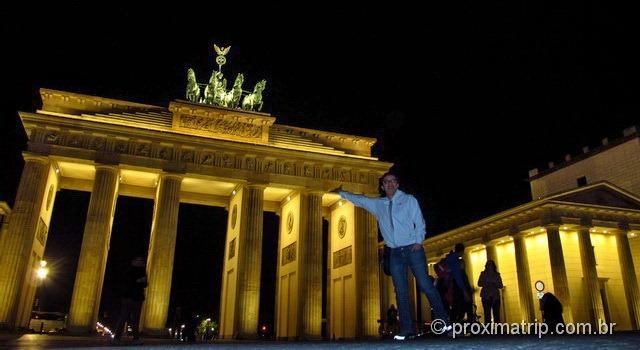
[[524, 279], [162, 246], [629, 279], [559, 271], [468, 266], [590, 275], [492, 254], [367, 270], [310, 267], [87, 288], [18, 240], [249, 262]]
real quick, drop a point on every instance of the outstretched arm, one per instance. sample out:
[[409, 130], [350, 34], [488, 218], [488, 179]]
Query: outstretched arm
[[364, 202]]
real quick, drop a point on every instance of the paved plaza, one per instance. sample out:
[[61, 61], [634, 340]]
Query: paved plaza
[[623, 340]]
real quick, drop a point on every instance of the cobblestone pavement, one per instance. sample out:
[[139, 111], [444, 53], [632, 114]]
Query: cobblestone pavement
[[622, 340]]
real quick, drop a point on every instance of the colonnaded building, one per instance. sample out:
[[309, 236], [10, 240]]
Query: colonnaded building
[[210, 155], [579, 236]]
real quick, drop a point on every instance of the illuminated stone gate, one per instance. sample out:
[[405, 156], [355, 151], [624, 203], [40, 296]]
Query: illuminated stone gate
[[208, 155]]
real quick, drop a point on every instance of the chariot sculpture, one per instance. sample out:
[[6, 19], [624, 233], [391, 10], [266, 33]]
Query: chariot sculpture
[[215, 91]]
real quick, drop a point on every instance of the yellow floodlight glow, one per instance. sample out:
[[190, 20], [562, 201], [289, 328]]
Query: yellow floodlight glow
[[42, 271]]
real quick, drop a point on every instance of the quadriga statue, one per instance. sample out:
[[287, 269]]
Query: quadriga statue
[[215, 90], [232, 98], [253, 101], [193, 90]]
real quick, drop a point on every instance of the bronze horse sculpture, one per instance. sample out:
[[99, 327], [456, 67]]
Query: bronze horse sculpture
[[253, 101], [193, 90]]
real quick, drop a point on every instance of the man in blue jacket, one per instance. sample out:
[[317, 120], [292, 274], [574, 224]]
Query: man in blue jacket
[[402, 225]]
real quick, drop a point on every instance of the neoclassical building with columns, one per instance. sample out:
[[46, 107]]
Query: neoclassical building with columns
[[201, 154], [579, 236]]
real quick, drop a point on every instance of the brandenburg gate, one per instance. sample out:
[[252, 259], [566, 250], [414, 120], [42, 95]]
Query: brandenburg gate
[[207, 154]]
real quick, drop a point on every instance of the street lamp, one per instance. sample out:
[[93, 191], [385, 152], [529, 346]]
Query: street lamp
[[41, 273], [43, 270]]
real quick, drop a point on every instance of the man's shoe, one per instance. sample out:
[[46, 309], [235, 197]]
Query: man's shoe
[[404, 336], [448, 331]]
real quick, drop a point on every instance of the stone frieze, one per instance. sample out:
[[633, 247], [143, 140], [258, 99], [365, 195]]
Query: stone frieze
[[202, 156], [220, 126]]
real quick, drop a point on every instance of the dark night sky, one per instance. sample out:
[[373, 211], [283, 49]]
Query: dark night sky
[[474, 93]]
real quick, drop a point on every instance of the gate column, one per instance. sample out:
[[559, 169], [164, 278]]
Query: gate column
[[23, 243], [162, 244], [87, 289]]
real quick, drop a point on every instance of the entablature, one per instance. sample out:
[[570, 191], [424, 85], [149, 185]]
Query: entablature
[[118, 144], [533, 217]]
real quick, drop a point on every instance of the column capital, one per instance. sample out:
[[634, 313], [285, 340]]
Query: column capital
[[548, 216], [109, 167], [515, 232], [491, 243], [623, 227], [584, 228], [488, 241], [256, 185], [586, 222], [552, 226], [313, 191], [168, 175], [34, 157]]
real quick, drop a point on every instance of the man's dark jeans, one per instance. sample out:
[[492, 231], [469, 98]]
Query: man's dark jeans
[[401, 259]]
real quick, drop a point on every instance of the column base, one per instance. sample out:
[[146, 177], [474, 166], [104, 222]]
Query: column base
[[156, 332], [309, 338], [247, 336], [81, 330]]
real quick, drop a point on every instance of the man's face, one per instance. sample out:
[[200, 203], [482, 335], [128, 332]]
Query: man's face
[[390, 184]]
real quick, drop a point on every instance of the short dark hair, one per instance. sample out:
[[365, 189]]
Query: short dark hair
[[390, 173], [459, 247]]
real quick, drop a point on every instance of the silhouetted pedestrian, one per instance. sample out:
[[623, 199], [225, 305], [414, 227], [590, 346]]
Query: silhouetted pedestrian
[[462, 299], [491, 283], [135, 281], [551, 309]]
